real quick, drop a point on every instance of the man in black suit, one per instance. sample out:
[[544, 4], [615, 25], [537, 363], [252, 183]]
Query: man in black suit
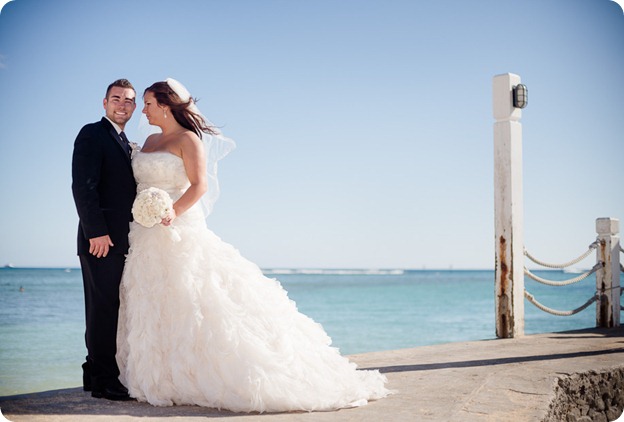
[[104, 189]]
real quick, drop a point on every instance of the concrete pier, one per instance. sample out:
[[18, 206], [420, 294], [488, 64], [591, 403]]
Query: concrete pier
[[569, 376]]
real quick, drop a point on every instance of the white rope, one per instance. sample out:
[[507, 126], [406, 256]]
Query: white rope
[[532, 299], [564, 282], [567, 264]]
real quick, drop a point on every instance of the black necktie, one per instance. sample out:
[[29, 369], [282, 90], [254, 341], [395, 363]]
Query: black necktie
[[124, 142]]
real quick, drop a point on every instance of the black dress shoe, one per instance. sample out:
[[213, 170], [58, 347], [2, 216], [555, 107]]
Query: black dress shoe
[[86, 377], [112, 392]]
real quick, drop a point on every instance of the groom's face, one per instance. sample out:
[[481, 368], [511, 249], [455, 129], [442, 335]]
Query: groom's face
[[120, 105]]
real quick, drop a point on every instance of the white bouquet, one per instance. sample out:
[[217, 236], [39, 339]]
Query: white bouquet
[[151, 206]]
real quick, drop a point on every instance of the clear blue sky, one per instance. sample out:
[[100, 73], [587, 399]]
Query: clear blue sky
[[364, 128]]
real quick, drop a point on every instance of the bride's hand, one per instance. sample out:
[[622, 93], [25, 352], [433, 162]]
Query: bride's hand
[[169, 219]]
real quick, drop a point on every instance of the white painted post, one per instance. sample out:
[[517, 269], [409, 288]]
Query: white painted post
[[608, 278], [508, 209]]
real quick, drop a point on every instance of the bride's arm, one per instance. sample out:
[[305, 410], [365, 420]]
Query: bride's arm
[[194, 157]]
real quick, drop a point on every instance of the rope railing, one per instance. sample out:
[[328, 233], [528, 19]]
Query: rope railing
[[581, 277], [597, 295], [544, 308], [593, 246], [563, 282]]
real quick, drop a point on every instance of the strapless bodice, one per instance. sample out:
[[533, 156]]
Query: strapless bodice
[[162, 170]]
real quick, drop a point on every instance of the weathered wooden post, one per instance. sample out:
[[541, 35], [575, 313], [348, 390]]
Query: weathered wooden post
[[508, 209], [608, 278]]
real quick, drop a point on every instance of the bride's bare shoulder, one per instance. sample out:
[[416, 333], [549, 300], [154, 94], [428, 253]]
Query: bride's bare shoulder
[[189, 139], [191, 146]]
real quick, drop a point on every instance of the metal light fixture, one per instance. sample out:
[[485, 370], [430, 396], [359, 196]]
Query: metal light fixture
[[520, 96]]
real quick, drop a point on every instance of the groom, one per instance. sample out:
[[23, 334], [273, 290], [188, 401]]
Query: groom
[[104, 189]]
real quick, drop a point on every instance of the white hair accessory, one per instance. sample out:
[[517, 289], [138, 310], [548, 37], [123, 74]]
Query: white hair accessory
[[179, 89], [184, 95]]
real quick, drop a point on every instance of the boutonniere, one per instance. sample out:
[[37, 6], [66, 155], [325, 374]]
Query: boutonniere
[[134, 148]]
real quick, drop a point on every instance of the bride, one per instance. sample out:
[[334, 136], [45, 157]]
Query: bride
[[199, 324]]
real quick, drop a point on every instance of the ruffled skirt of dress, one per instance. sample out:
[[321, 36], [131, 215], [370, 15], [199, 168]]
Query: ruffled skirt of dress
[[201, 325]]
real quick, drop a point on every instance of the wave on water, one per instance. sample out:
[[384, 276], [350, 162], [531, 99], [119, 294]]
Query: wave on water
[[325, 271]]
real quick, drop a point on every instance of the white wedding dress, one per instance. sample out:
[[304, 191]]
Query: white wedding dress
[[199, 324]]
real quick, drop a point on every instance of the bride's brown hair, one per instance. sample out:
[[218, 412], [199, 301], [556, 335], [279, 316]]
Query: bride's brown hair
[[180, 109]]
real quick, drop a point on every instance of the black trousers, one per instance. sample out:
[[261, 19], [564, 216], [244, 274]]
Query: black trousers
[[101, 278]]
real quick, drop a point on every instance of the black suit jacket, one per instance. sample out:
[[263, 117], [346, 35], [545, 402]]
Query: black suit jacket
[[103, 186]]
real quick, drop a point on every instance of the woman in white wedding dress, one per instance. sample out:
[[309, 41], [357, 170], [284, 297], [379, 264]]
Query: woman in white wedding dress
[[199, 324]]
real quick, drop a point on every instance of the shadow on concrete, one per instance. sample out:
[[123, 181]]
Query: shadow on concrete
[[497, 361], [74, 401]]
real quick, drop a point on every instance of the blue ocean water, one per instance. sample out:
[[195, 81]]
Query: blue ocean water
[[42, 314]]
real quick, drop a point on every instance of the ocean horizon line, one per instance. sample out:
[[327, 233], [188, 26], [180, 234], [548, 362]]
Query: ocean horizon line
[[315, 270]]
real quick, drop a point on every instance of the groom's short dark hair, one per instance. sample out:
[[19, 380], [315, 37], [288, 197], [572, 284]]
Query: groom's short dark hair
[[122, 83]]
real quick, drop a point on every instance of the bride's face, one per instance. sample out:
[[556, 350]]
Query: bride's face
[[154, 112]]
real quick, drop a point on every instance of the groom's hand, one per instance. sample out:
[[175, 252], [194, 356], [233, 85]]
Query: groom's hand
[[99, 246]]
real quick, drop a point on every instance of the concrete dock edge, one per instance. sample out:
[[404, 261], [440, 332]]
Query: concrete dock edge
[[567, 376]]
